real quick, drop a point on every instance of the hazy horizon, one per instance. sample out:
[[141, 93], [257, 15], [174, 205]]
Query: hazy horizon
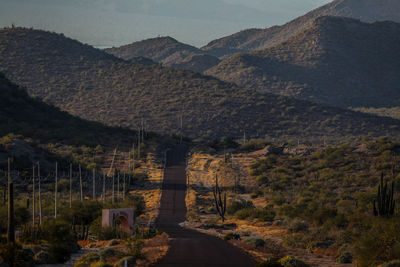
[[103, 23]]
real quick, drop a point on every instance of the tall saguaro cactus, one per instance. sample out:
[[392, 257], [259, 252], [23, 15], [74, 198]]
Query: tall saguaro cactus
[[384, 203], [40, 196], [220, 202], [33, 197], [56, 192], [70, 185]]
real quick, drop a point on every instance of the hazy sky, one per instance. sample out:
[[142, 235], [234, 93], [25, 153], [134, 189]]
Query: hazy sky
[[117, 22]]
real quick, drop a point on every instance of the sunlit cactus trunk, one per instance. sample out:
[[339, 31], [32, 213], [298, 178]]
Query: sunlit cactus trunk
[[56, 192], [40, 196]]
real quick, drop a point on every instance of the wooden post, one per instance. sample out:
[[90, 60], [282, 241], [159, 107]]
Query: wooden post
[[80, 181], [94, 184], [40, 196], [33, 197], [118, 188], [56, 192], [70, 185], [124, 187]]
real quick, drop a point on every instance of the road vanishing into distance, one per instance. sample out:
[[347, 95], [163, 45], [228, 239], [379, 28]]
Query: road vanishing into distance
[[189, 247]]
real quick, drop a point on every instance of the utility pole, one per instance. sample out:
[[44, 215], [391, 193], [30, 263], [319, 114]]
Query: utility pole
[[70, 185], [118, 187], [181, 129], [124, 187], [80, 181], [113, 189], [56, 193], [40, 197]]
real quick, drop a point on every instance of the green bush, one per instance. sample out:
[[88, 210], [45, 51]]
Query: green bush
[[265, 214], [296, 226], [21, 257], [289, 261], [238, 205], [257, 242], [62, 241], [89, 258], [232, 235], [378, 244]]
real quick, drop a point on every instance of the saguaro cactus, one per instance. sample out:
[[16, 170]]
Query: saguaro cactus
[[40, 196], [33, 197], [56, 192], [220, 204], [384, 203], [70, 185]]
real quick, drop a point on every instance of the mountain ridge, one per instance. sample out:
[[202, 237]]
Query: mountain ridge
[[338, 61], [258, 39], [89, 83]]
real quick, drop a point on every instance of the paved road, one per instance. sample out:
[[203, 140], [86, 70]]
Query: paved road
[[188, 247]]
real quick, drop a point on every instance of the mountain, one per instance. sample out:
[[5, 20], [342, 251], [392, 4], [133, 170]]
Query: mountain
[[94, 85], [20, 114], [338, 61], [168, 51], [198, 63], [257, 39]]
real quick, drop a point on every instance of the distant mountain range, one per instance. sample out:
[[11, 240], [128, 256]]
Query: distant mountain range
[[94, 85], [337, 61], [168, 51], [257, 39]]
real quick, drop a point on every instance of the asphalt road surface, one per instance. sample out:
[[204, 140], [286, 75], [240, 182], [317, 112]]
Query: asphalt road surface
[[189, 247]]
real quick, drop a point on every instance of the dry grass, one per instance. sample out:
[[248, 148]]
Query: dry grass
[[153, 250]]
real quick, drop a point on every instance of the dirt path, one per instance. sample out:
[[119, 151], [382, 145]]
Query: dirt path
[[189, 247]]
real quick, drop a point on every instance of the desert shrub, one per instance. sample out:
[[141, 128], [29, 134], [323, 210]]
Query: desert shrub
[[232, 235], [238, 205], [347, 257], [378, 244], [106, 252], [134, 246], [105, 233], [296, 226], [89, 258], [319, 244], [62, 241], [263, 214], [289, 261], [257, 242], [14, 252]]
